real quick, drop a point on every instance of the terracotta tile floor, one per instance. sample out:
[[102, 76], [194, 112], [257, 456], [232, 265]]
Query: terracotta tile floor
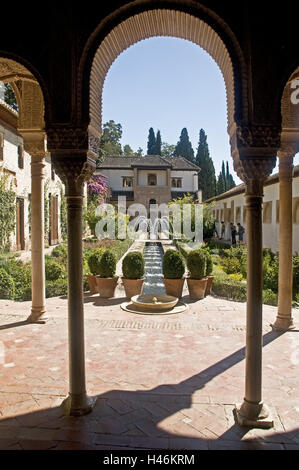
[[161, 382]]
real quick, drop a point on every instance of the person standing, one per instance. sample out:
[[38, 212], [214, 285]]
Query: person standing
[[234, 233], [241, 231], [222, 230]]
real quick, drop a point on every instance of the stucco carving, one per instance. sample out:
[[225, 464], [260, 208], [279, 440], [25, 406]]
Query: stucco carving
[[73, 171]]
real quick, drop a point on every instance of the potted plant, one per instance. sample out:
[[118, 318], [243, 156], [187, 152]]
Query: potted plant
[[197, 282], [133, 272], [93, 262], [173, 271], [209, 270], [106, 280]]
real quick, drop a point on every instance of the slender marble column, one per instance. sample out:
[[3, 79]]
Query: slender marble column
[[253, 412], [284, 320]]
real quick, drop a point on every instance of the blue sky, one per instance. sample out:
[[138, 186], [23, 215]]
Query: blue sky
[[168, 84]]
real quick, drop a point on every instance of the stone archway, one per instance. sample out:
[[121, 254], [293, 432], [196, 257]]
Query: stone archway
[[171, 23], [31, 126]]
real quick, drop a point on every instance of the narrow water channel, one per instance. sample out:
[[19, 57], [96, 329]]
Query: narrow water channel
[[153, 254]]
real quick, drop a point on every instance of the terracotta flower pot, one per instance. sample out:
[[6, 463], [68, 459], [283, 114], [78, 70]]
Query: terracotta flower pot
[[209, 284], [106, 286], [174, 287], [132, 286], [92, 282], [197, 288]]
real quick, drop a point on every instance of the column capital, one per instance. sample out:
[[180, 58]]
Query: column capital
[[72, 139], [286, 152], [73, 171], [34, 142]]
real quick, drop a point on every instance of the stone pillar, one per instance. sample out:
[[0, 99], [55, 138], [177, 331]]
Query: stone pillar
[[254, 150], [284, 320], [253, 411], [74, 167], [34, 144]]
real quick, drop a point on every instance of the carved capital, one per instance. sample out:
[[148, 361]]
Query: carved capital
[[73, 171], [286, 151], [67, 139], [255, 136], [254, 171], [34, 142]]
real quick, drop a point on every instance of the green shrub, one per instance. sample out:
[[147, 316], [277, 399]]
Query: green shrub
[[295, 276], [270, 297], [270, 271], [54, 270], [173, 265], [209, 264], [94, 261], [196, 263], [107, 266], [230, 289], [236, 277], [56, 288], [231, 265], [21, 274], [7, 285], [60, 251], [133, 265]]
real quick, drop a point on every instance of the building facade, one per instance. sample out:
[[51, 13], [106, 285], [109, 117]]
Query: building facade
[[151, 179], [230, 207], [15, 164]]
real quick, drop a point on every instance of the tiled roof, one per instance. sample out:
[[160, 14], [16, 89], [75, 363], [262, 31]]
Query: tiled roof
[[148, 161]]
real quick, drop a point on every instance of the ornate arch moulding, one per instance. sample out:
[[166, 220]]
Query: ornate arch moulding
[[159, 22]]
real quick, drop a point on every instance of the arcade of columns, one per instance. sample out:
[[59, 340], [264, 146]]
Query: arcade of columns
[[73, 153]]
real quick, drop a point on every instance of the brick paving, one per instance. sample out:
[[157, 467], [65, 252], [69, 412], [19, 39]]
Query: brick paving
[[161, 382]]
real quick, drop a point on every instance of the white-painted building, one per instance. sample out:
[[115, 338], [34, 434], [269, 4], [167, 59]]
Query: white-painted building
[[151, 179], [15, 164], [230, 207]]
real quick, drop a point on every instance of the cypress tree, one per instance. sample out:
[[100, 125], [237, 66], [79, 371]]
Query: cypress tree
[[220, 184], [158, 144], [151, 142], [183, 147], [223, 175], [206, 177]]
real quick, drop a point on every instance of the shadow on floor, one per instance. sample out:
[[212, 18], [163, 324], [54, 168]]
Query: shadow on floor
[[160, 418]]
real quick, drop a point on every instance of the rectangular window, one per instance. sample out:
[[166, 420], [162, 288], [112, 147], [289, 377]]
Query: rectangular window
[[1, 146], [20, 156], [152, 180], [176, 182], [52, 173], [127, 182]]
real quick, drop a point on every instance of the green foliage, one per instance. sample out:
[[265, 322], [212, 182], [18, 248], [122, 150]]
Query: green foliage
[[270, 271], [60, 251], [225, 180], [94, 261], [10, 97], [7, 211], [56, 288], [151, 142], [173, 265], [230, 289], [21, 274], [184, 147], [158, 144], [110, 140], [167, 150], [133, 265], [128, 151], [295, 276], [54, 270], [206, 177], [107, 266], [270, 297], [196, 263], [209, 264], [7, 285], [236, 277]]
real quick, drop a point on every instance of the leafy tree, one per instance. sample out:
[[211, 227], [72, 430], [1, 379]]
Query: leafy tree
[[110, 140], [128, 151], [206, 177], [139, 152], [158, 144], [10, 97], [167, 150], [184, 147], [151, 142]]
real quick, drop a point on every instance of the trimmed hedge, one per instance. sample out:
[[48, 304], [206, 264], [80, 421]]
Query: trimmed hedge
[[173, 265], [196, 263], [229, 289], [107, 265], [133, 265], [54, 270], [7, 285]]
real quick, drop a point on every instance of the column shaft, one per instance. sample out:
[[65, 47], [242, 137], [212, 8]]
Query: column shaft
[[284, 319], [37, 238]]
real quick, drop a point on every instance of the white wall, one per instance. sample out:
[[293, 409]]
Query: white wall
[[270, 230], [188, 180], [161, 177], [114, 178]]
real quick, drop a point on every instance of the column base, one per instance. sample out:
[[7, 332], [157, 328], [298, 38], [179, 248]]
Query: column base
[[283, 324], [253, 415], [38, 315], [78, 405]]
